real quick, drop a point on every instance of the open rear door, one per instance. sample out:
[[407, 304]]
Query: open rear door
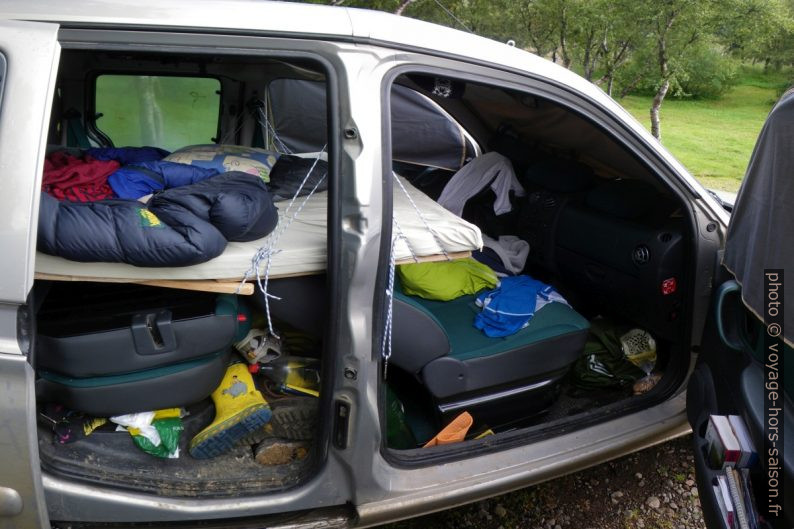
[[29, 55], [746, 367]]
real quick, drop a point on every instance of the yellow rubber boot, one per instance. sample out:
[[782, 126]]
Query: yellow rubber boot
[[239, 410]]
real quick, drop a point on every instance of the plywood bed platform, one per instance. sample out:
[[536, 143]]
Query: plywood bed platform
[[301, 249], [221, 286]]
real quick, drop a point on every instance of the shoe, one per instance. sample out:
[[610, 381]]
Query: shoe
[[454, 432], [239, 410], [280, 451], [293, 419]]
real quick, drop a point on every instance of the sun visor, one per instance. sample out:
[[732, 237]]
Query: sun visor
[[422, 132], [762, 223]]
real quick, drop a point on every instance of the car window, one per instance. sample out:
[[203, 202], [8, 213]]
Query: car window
[[166, 111], [423, 133]]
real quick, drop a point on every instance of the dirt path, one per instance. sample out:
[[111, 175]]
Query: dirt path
[[651, 489]]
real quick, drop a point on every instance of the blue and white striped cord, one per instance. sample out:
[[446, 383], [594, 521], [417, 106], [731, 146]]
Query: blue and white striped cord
[[387, 328], [267, 251], [386, 345]]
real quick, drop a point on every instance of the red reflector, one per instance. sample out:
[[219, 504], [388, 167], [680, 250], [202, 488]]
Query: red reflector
[[242, 318], [669, 286]]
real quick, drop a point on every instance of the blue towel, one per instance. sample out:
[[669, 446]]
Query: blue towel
[[141, 179], [508, 308]]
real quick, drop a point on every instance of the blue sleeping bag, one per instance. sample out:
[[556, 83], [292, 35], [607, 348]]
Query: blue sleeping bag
[[143, 178], [178, 227], [128, 155]]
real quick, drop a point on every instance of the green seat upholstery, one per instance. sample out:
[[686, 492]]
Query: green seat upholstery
[[437, 341]]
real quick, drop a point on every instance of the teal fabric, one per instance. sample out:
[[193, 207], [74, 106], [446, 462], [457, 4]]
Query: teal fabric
[[456, 318], [146, 374]]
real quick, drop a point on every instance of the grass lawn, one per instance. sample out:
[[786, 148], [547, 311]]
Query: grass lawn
[[715, 138]]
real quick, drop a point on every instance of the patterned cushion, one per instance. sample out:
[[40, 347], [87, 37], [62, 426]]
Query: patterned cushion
[[225, 158]]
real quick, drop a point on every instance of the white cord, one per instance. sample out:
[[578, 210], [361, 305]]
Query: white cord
[[435, 235], [280, 146], [266, 252]]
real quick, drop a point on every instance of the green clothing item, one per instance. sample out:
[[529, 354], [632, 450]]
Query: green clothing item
[[398, 433], [602, 363], [446, 280]]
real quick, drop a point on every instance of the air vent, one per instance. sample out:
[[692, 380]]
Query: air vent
[[665, 237], [641, 255]]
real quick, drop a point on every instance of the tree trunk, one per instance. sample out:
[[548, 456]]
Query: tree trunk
[[610, 83], [656, 129], [402, 6], [566, 59]]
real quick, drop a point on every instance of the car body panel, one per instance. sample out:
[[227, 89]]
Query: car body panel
[[30, 55], [364, 48], [418, 491]]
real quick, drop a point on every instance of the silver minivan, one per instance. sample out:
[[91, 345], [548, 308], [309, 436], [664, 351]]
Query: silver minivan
[[397, 110]]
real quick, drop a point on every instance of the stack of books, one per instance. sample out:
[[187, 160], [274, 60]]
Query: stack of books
[[730, 449], [729, 443]]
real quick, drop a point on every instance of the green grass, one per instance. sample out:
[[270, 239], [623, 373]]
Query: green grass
[[715, 138]]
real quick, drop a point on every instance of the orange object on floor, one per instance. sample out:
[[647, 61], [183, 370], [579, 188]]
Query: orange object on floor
[[454, 432]]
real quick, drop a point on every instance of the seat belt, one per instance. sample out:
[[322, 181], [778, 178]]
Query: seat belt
[[75, 132]]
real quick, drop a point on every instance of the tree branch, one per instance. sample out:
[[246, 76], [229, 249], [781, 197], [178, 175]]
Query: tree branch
[[402, 6]]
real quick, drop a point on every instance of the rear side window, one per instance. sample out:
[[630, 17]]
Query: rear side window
[[162, 111]]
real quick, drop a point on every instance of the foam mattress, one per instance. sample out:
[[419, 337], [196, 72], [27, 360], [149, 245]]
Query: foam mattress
[[301, 248]]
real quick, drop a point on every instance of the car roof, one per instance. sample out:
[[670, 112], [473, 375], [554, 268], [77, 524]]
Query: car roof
[[325, 22], [288, 18]]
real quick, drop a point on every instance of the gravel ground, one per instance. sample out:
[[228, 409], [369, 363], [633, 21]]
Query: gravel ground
[[651, 489]]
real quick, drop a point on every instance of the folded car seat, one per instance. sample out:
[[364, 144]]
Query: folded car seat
[[464, 369], [110, 349]]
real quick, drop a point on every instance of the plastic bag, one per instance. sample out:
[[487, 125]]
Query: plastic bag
[[169, 431], [639, 348], [155, 432]]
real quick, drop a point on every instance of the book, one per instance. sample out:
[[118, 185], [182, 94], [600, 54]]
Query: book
[[749, 456], [737, 497], [723, 447], [725, 502], [749, 498], [720, 502]]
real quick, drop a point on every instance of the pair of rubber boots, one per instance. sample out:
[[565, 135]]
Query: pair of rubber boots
[[239, 410]]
